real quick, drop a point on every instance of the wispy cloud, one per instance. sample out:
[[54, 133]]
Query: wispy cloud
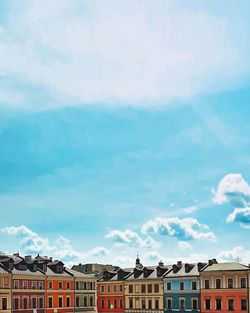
[[119, 51]]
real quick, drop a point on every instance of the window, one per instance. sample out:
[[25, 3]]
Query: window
[[16, 285], [194, 285], [85, 301], [109, 304], [40, 303], [137, 289], [243, 304], [230, 283], [68, 302], [169, 304], [91, 301], [143, 304], [206, 284], [4, 304], [120, 287], [77, 285], [156, 304], [68, 285], [85, 285], [50, 302], [150, 304], [16, 304], [149, 288], [40, 286], [108, 288], [130, 288], [218, 303], [131, 303], [60, 302], [114, 288], [243, 282], [156, 288], [115, 304], [50, 285], [121, 304], [143, 288], [194, 304], [34, 303], [207, 304], [182, 304], [25, 285], [60, 285], [77, 301], [230, 304], [102, 304], [169, 286], [25, 303], [102, 288], [181, 285], [218, 283]]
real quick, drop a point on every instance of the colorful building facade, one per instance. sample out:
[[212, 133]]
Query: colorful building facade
[[5, 290], [225, 288], [182, 288]]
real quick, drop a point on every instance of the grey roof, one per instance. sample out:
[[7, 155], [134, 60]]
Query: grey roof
[[182, 272], [3, 270], [152, 272], [77, 274], [229, 266]]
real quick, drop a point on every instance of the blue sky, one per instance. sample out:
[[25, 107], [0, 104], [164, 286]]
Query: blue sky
[[124, 128]]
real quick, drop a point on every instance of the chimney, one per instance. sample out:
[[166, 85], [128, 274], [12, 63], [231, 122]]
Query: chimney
[[179, 263], [160, 264], [187, 268]]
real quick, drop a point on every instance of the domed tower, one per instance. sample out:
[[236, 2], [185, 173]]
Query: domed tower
[[138, 264]]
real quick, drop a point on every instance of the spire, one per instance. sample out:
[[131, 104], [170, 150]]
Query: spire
[[138, 262]]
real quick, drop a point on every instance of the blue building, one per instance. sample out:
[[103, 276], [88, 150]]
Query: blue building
[[182, 288]]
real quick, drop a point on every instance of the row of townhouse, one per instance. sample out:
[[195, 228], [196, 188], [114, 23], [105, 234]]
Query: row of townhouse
[[41, 285], [182, 287]]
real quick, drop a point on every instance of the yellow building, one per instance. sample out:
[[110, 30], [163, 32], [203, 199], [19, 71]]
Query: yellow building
[[5, 290], [144, 288]]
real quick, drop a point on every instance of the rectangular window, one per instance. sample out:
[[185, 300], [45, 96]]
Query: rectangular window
[[114, 288], [16, 304], [115, 304], [34, 303], [85, 285], [121, 304], [130, 288], [77, 285], [68, 301], [230, 304], [109, 304], [143, 288], [50, 285], [207, 304], [156, 288], [77, 301], [25, 284], [137, 288], [150, 304], [120, 287], [25, 303], [102, 288], [194, 304], [243, 282], [68, 285], [218, 303], [131, 303], [33, 284], [218, 283], [4, 304], [157, 304], [149, 288], [50, 302], [108, 288], [169, 304], [194, 285], [40, 285], [41, 303], [181, 285], [206, 283], [16, 284], [182, 304], [143, 304], [230, 283], [102, 304], [60, 285], [243, 304], [60, 302], [169, 286]]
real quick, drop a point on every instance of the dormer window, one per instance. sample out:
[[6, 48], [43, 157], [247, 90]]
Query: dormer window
[[59, 268], [44, 267], [34, 267], [11, 265], [22, 267]]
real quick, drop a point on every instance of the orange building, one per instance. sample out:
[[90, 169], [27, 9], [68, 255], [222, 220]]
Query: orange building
[[225, 288]]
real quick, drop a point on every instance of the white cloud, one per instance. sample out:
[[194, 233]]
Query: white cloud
[[120, 51], [183, 229], [131, 239], [152, 256], [62, 248], [190, 209], [183, 245], [234, 190], [238, 254]]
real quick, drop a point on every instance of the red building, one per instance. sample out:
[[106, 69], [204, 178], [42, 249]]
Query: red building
[[224, 288], [110, 291]]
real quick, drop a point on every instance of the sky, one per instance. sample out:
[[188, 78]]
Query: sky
[[124, 129]]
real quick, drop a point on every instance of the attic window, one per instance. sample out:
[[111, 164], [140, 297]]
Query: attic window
[[22, 267]]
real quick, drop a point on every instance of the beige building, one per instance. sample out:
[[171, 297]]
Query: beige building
[[144, 288], [5, 290], [85, 292]]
